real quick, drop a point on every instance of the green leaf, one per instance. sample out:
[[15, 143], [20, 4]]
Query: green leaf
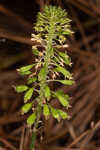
[[31, 80], [62, 98], [65, 57], [25, 73], [67, 32], [66, 82], [31, 119], [42, 74], [56, 59], [25, 68], [35, 51], [55, 113], [46, 111], [65, 72], [21, 88], [47, 93], [28, 94], [63, 114], [26, 107]]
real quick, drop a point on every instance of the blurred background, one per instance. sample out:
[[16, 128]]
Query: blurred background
[[82, 131]]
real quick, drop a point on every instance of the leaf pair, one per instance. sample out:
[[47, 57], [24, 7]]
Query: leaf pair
[[65, 72], [63, 98], [65, 57], [56, 113], [23, 88], [25, 70]]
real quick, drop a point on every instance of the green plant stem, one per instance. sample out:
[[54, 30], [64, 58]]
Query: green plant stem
[[33, 141], [44, 81], [46, 65]]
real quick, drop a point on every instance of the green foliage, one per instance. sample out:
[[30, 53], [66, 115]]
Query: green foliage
[[46, 111], [66, 82], [65, 58], [63, 114], [55, 113], [47, 93], [63, 99], [65, 72], [31, 119], [28, 94], [26, 68], [42, 74], [26, 107], [21, 88], [25, 73], [31, 80], [50, 31], [35, 51]]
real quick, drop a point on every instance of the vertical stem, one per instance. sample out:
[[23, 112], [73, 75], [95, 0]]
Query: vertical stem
[[43, 82], [33, 141]]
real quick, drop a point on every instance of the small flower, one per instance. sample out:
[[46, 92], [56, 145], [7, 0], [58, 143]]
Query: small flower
[[65, 46], [40, 54], [37, 66], [37, 60], [53, 76], [57, 73], [34, 47], [61, 63], [44, 101], [32, 39]]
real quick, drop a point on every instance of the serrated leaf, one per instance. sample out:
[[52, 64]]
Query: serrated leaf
[[28, 94], [31, 119], [26, 107], [25, 68], [55, 113], [42, 74], [35, 51], [47, 93], [63, 99], [21, 88], [66, 82], [63, 114], [46, 111], [65, 72], [31, 80]]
